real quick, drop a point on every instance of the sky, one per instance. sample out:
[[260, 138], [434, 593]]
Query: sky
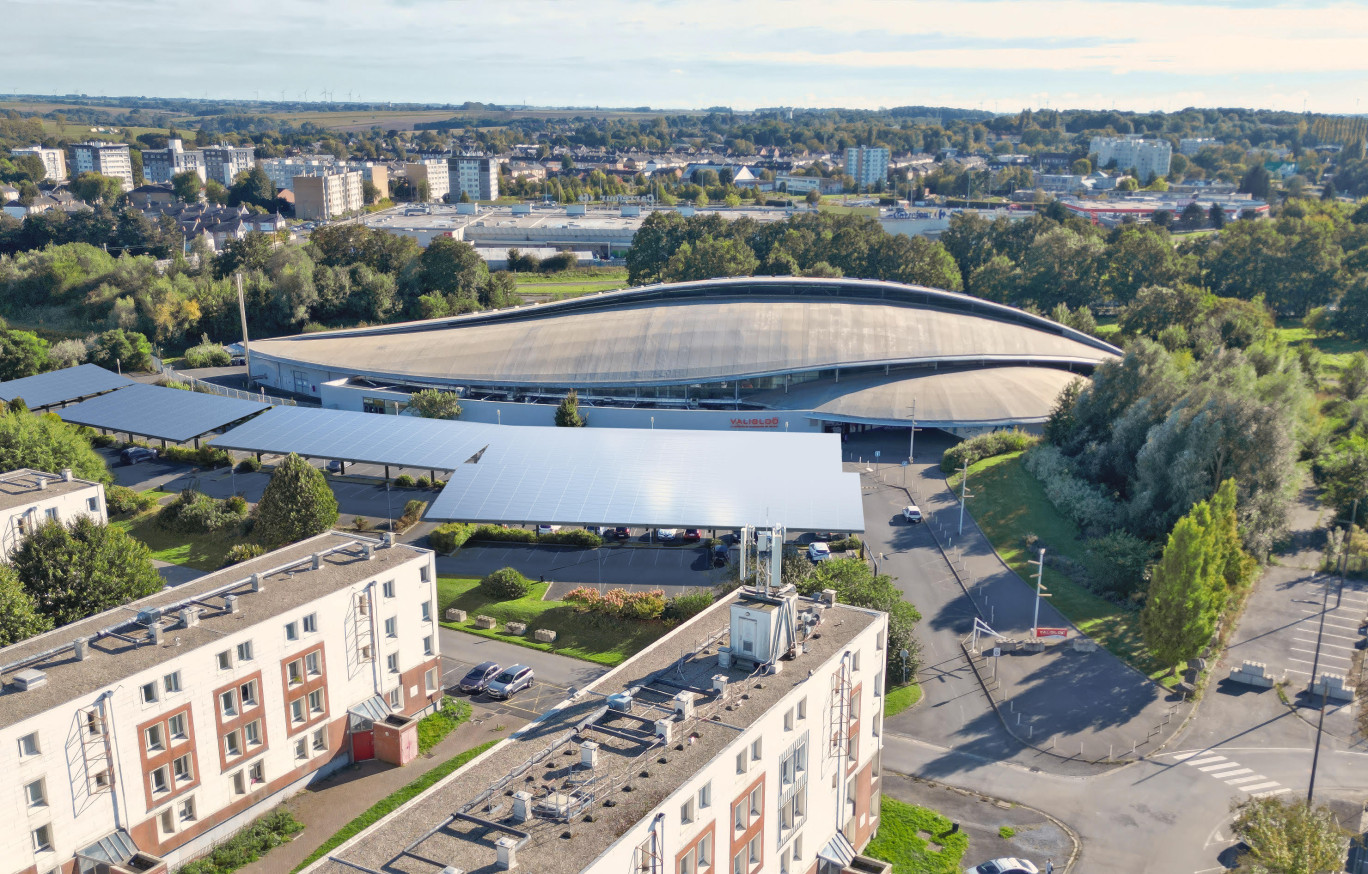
[[999, 55]]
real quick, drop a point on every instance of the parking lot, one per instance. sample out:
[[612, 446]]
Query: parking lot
[[527, 704], [667, 567]]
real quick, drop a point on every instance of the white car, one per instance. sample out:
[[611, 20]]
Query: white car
[[819, 551], [1004, 866], [667, 533], [912, 513], [548, 529]]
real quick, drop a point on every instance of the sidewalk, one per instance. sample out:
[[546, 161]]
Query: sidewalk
[[330, 804]]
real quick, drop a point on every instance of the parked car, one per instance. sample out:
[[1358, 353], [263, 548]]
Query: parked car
[[721, 554], [622, 533], [693, 535], [819, 551], [1004, 866], [548, 529], [667, 533], [509, 683], [912, 513], [137, 454], [600, 530], [334, 466], [477, 678]]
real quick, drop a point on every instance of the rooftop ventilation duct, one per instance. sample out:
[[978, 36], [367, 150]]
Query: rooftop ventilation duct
[[522, 806], [31, 678], [388, 538], [66, 475], [317, 561], [257, 583], [368, 552], [829, 597], [720, 684], [664, 729], [589, 753], [150, 616], [684, 705], [80, 648], [189, 617], [231, 603], [42, 483], [507, 850], [155, 634]]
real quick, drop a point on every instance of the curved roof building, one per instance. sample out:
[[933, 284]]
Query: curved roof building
[[836, 350]]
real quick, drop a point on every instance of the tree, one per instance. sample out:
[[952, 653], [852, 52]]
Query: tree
[[813, 197], [710, 257], [369, 192], [1180, 613], [431, 403], [215, 192], [45, 442], [120, 350], [1257, 182], [1081, 167], [253, 187], [453, 267], [19, 616], [187, 186], [22, 353], [1193, 217], [1288, 836], [856, 584], [95, 188], [568, 414], [82, 568], [1216, 215], [1328, 191], [296, 504]]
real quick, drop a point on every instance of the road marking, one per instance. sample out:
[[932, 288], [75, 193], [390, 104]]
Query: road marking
[[1295, 671], [1219, 767], [1260, 794], [1237, 772], [1207, 761], [1324, 655], [1239, 780], [1257, 786], [1183, 756]]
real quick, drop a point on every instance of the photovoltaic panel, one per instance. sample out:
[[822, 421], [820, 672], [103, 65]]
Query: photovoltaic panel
[[59, 386], [163, 413]]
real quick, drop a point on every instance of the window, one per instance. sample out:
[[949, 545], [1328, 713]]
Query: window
[[171, 682], [427, 645], [93, 505], [798, 847], [42, 839], [855, 661], [788, 720], [149, 692], [187, 810], [297, 710], [176, 726], [879, 641], [686, 863], [228, 703], [257, 773], [320, 739], [154, 739], [36, 794], [21, 524], [396, 698], [427, 611], [244, 651], [878, 685], [311, 623], [168, 821], [51, 514], [311, 664], [316, 701], [425, 574], [232, 743], [430, 680], [102, 780], [388, 589], [292, 631], [392, 662], [248, 691], [301, 748], [705, 796], [182, 770], [28, 745], [159, 782], [757, 801], [225, 660], [392, 626], [854, 706], [785, 862], [94, 724], [253, 732], [741, 762], [239, 784], [755, 750], [878, 724], [739, 863], [295, 672], [705, 852], [802, 708], [686, 812], [739, 821], [755, 850]]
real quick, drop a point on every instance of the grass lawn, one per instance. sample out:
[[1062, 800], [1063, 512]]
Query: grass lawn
[[392, 802], [437, 725], [899, 698], [573, 289], [204, 552], [578, 635], [916, 840], [1008, 504]]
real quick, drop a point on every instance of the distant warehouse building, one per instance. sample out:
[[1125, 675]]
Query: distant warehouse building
[[744, 353], [328, 195]]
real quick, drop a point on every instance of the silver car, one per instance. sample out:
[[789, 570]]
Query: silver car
[[509, 683]]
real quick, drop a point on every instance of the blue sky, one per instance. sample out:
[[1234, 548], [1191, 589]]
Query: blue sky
[[998, 54]]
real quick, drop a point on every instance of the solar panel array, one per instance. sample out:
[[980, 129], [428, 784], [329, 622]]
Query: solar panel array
[[163, 413], [59, 386]]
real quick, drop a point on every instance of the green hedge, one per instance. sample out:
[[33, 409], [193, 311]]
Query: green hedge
[[248, 465], [508, 535], [195, 512], [205, 456], [975, 449], [450, 537], [682, 608], [248, 845], [123, 501], [242, 552], [572, 537]]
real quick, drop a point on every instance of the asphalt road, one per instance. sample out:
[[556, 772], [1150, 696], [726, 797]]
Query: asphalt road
[[555, 674]]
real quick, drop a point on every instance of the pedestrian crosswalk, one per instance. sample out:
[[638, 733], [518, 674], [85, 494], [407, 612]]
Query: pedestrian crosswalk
[[1231, 773]]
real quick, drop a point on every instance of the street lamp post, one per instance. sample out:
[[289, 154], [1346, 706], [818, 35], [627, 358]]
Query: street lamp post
[[965, 494], [1040, 592]]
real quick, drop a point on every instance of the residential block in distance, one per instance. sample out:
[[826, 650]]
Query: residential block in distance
[[160, 165], [223, 162], [141, 736], [867, 165], [107, 159], [29, 498], [54, 160], [476, 177], [1149, 158], [434, 172], [328, 195]]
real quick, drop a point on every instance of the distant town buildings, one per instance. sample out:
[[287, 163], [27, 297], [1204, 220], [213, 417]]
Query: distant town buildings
[[107, 159], [54, 160], [804, 184], [160, 165], [1193, 145], [867, 165], [1149, 158], [475, 177], [433, 171], [282, 171], [223, 163], [329, 195]]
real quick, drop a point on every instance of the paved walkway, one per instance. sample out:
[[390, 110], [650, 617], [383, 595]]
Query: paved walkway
[[330, 804]]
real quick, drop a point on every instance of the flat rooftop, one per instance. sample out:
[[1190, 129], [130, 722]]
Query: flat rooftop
[[582, 811], [602, 218], [120, 646], [25, 486]]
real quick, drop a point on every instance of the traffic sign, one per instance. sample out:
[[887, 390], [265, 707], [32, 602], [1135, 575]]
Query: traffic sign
[[1052, 632], [997, 651]]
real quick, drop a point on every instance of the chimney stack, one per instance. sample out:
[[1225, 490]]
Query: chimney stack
[[589, 753], [80, 648], [66, 474], [507, 850], [230, 601], [256, 583], [522, 806]]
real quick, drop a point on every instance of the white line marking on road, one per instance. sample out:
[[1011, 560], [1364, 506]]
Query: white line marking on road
[[1240, 780], [1182, 756], [1217, 767], [1295, 671], [1207, 761], [1263, 794], [1236, 773], [1324, 655], [1303, 661], [1257, 786]]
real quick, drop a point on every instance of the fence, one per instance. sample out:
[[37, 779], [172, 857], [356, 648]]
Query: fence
[[199, 385]]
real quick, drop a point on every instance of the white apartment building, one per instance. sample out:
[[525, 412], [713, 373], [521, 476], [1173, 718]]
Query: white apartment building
[[223, 162], [477, 178], [282, 171], [160, 165], [1193, 145], [328, 195], [30, 498], [867, 165], [107, 159], [54, 160], [1150, 158], [434, 172], [139, 737], [747, 740]]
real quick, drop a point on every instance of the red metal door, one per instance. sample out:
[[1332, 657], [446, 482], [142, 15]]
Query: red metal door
[[363, 745]]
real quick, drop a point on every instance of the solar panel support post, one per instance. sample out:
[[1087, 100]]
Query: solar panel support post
[[246, 347]]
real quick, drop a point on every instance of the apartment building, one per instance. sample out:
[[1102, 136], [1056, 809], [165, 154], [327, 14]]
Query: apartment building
[[223, 162], [30, 498], [282, 171], [747, 740], [867, 165], [139, 737], [54, 160], [1149, 158], [328, 195], [107, 159], [434, 172], [475, 177], [1193, 145], [160, 165]]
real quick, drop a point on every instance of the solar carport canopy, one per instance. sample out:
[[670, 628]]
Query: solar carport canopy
[[60, 386], [164, 413]]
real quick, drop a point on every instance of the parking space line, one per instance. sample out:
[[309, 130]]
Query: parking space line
[[1288, 670], [1324, 655], [1290, 659]]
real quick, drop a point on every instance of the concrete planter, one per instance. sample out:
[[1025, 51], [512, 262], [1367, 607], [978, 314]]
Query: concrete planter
[[454, 615], [486, 622], [544, 635], [518, 628]]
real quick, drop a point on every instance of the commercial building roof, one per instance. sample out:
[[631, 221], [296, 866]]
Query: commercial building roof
[[164, 413], [60, 386], [713, 330]]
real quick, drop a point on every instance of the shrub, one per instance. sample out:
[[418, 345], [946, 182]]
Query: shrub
[[620, 603], [1088, 505], [248, 465], [508, 535], [848, 543], [242, 552], [1119, 561], [450, 537], [423, 483], [572, 537], [558, 262], [237, 504], [506, 584], [361, 523], [102, 440], [248, 845], [123, 501], [413, 511], [975, 449], [296, 504], [207, 354], [196, 512], [682, 608], [403, 481], [206, 456]]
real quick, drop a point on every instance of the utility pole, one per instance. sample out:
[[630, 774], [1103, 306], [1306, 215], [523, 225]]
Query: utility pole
[[965, 494], [1315, 666], [912, 435], [1040, 592], [242, 314]]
